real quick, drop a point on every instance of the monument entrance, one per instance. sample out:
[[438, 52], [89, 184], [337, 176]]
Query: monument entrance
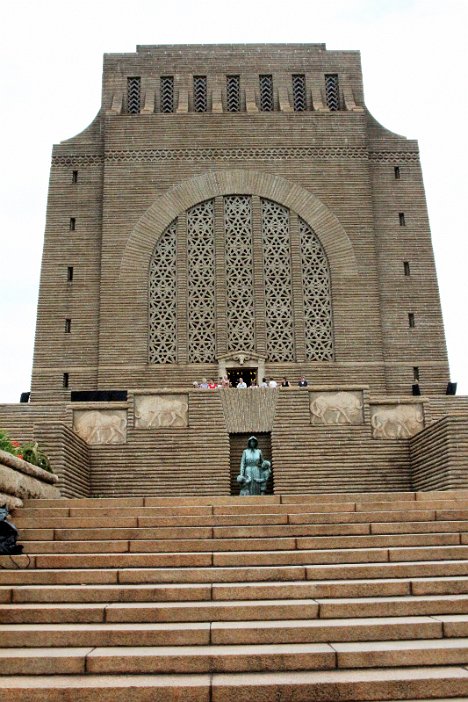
[[249, 375]]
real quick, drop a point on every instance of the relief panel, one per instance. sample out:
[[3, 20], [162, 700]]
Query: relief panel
[[396, 421], [101, 426], [336, 408], [161, 411]]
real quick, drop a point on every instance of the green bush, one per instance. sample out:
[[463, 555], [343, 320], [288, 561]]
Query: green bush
[[28, 451]]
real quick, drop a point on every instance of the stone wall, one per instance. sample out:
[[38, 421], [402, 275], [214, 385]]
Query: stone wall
[[439, 455]]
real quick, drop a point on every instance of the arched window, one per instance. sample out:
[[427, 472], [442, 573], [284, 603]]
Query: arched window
[[239, 273]]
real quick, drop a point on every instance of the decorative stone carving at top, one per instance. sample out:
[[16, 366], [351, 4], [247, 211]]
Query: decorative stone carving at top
[[396, 421], [336, 408], [159, 411], [101, 426]]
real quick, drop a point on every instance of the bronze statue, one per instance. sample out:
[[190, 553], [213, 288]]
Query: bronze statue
[[254, 471]]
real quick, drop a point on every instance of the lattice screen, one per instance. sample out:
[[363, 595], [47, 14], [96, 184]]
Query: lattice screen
[[278, 293], [200, 96], [332, 92], [266, 93], [201, 283], [133, 95], [167, 94], [239, 272], [240, 276], [233, 93], [317, 298], [163, 299], [299, 93]]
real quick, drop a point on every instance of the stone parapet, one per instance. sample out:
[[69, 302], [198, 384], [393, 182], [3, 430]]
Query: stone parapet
[[21, 480]]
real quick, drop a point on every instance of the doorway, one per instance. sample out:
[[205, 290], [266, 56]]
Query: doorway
[[249, 376], [237, 443]]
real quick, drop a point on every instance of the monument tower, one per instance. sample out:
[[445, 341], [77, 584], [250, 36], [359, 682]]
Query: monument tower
[[236, 210]]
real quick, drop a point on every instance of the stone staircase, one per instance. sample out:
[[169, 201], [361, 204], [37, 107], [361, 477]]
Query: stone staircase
[[273, 599]]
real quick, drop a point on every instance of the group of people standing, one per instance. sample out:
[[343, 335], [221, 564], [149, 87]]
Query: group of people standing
[[224, 382]]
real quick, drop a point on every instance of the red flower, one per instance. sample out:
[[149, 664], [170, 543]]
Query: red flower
[[19, 455], [15, 444]]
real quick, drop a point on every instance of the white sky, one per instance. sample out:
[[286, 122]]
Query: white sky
[[414, 58]]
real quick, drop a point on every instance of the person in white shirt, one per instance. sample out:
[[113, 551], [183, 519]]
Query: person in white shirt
[[241, 384], [272, 383]]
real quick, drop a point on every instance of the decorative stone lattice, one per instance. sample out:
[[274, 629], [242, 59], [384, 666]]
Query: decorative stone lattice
[[239, 272], [317, 298], [299, 93], [201, 285], [163, 299], [266, 93], [160, 411], [332, 92], [167, 94], [133, 95], [200, 96], [233, 93], [277, 270]]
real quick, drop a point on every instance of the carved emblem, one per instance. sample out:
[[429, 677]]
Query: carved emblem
[[336, 408], [158, 411], [396, 421], [101, 426]]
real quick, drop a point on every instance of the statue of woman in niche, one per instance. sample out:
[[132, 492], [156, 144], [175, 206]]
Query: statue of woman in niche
[[254, 471]]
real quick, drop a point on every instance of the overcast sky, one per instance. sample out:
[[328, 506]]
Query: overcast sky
[[414, 61]]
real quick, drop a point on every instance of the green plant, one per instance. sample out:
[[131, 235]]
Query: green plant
[[28, 451], [33, 454], [6, 444]]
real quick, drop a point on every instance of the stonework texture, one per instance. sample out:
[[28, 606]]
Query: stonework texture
[[244, 214]]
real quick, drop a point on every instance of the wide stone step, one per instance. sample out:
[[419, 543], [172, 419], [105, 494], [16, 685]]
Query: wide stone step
[[344, 685], [234, 591], [166, 659], [232, 610], [458, 494], [238, 632], [242, 532], [350, 571], [299, 514], [241, 558], [232, 658]]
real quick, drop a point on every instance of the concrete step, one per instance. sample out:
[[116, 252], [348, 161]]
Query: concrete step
[[167, 659], [228, 633], [232, 658], [263, 514], [232, 610], [173, 575], [458, 494], [234, 591], [345, 685], [251, 544], [161, 611], [242, 532], [245, 558], [378, 654]]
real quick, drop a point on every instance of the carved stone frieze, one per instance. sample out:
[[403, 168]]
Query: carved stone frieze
[[101, 426], [161, 411], [333, 408], [396, 421]]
